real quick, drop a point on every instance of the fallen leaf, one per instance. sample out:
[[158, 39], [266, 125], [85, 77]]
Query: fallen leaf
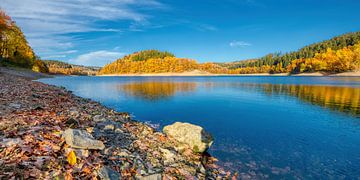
[[71, 157]]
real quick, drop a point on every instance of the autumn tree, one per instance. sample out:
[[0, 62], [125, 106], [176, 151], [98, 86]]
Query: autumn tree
[[14, 48]]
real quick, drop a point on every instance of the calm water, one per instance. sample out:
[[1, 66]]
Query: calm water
[[304, 127]]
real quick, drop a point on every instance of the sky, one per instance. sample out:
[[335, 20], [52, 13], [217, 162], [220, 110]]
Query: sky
[[97, 32]]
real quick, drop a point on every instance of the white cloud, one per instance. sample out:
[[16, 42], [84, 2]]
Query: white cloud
[[53, 57], [239, 44], [96, 58], [46, 22], [206, 27]]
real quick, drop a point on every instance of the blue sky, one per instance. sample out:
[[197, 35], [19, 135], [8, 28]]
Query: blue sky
[[96, 32]]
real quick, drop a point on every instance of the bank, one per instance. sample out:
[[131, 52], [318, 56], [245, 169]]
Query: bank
[[39, 123]]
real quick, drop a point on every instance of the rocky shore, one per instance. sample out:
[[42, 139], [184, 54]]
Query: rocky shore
[[46, 132]]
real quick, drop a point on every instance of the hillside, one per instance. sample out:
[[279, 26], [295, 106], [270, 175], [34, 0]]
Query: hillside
[[14, 48], [59, 67], [339, 54], [277, 62], [154, 61]]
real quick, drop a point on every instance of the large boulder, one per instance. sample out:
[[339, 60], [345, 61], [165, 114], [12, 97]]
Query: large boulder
[[194, 136], [81, 139]]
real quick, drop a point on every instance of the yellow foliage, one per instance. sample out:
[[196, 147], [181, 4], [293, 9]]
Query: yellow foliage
[[71, 157], [346, 59]]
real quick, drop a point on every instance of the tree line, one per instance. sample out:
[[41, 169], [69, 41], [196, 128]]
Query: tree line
[[310, 51], [59, 67], [14, 48]]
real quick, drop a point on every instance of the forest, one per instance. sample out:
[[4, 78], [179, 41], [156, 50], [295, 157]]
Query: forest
[[59, 67], [14, 48], [329, 59]]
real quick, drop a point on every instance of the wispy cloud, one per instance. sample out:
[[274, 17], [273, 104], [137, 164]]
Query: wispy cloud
[[239, 44], [97, 58], [206, 27], [48, 23]]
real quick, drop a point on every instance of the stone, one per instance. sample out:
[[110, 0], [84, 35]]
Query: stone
[[11, 141], [118, 130], [194, 136], [74, 113], [151, 177], [15, 105], [106, 173], [76, 138], [98, 118], [168, 156], [109, 127], [83, 153]]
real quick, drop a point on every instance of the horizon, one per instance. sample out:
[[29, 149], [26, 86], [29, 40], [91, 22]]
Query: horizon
[[96, 33]]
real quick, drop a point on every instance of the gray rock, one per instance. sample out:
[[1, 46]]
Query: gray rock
[[83, 153], [15, 105], [151, 177], [98, 118], [11, 141], [192, 135], [106, 173], [76, 138], [74, 113]]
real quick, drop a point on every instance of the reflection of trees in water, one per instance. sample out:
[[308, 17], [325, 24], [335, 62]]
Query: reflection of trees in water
[[155, 90], [343, 99], [337, 98]]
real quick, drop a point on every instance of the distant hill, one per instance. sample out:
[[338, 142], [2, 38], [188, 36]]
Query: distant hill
[[59, 67], [339, 54], [279, 62]]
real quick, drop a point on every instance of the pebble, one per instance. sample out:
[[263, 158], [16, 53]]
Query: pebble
[[151, 177], [81, 139], [106, 173], [11, 141], [15, 105]]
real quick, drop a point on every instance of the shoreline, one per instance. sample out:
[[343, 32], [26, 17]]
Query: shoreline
[[34, 118], [315, 74]]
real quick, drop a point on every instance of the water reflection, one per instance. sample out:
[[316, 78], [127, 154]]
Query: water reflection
[[156, 90], [337, 98]]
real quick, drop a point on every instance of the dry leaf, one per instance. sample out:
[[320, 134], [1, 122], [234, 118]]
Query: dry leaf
[[71, 158]]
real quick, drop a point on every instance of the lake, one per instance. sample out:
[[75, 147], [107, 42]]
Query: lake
[[264, 127]]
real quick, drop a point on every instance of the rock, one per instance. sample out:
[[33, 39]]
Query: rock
[[83, 153], [123, 153], [74, 113], [76, 138], [109, 127], [190, 134], [202, 169], [151, 177], [11, 141], [106, 173], [168, 156], [15, 105], [118, 130], [98, 118]]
